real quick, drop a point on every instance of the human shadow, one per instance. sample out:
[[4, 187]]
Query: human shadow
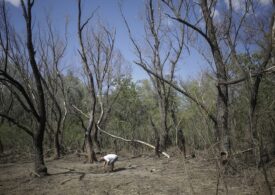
[[119, 169]]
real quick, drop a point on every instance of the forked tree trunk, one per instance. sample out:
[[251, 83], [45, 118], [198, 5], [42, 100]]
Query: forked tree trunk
[[96, 139], [89, 149]]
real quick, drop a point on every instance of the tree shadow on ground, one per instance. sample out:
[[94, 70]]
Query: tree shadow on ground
[[66, 172], [94, 171]]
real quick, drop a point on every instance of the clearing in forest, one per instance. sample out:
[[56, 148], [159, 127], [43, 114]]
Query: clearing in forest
[[133, 175]]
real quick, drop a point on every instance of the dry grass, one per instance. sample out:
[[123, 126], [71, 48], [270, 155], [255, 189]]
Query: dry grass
[[142, 175]]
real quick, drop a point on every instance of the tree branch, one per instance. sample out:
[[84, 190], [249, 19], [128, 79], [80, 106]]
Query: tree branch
[[16, 123], [117, 137], [200, 104], [236, 81], [193, 27], [18, 86]]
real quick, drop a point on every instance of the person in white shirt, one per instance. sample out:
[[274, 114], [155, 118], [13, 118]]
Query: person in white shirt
[[109, 160]]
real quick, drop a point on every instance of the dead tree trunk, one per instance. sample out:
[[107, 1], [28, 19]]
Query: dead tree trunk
[[39, 164], [180, 138], [254, 90], [57, 147], [165, 140], [1, 147], [157, 139], [181, 142], [221, 73], [96, 139], [91, 86], [89, 149], [38, 137]]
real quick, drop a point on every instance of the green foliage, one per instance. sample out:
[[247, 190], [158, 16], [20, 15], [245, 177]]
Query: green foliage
[[76, 91], [129, 115], [14, 139], [137, 102], [198, 129], [73, 137]]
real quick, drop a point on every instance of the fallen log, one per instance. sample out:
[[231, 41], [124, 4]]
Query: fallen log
[[121, 138], [133, 141]]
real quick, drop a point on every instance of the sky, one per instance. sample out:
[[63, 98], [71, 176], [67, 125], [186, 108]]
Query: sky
[[108, 12]]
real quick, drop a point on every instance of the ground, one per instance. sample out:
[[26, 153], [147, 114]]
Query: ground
[[144, 174]]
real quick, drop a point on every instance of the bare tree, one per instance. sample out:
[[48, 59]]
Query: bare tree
[[40, 167], [220, 54], [100, 50], [165, 44], [91, 86], [254, 86], [32, 100], [51, 52]]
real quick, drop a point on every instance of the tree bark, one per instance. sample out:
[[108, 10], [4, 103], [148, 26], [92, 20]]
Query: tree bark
[[39, 164], [40, 167], [1, 147], [165, 139], [89, 149], [57, 147], [91, 85], [222, 98], [181, 142], [157, 139], [96, 139]]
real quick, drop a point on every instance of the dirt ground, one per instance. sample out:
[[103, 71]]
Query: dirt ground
[[133, 175]]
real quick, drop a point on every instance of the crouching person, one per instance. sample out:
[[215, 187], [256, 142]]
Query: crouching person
[[109, 160]]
